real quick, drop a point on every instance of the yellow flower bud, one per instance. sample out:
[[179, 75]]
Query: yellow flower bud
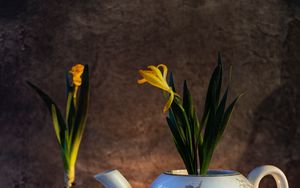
[[76, 72]]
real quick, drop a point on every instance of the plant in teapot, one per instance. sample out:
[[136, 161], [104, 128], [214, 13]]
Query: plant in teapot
[[195, 138]]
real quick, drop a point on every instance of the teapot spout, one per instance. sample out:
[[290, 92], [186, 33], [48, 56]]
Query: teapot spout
[[112, 179]]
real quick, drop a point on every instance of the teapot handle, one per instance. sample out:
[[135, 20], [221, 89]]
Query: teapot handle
[[258, 173]]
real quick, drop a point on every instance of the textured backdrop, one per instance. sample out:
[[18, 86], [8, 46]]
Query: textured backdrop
[[126, 130]]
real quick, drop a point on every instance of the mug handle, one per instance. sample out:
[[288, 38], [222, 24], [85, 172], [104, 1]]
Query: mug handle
[[258, 173]]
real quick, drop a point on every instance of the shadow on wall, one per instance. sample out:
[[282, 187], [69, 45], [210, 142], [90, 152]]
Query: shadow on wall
[[276, 123], [12, 8]]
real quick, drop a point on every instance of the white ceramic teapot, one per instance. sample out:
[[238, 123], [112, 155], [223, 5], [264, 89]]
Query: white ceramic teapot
[[213, 179]]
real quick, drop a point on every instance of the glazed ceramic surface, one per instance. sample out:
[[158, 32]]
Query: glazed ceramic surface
[[219, 179], [213, 179]]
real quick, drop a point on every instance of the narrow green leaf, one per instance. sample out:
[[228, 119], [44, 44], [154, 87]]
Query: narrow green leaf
[[176, 135], [179, 128], [219, 59], [210, 130], [190, 110], [221, 107], [215, 82], [48, 101], [226, 118], [70, 118], [197, 127], [182, 120], [57, 129], [184, 156], [205, 163], [219, 78], [68, 85], [52, 107], [180, 143], [70, 111], [174, 130], [222, 104], [187, 101], [210, 125], [201, 156], [193, 123], [171, 82]]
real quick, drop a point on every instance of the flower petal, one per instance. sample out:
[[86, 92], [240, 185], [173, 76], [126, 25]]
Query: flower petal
[[76, 72], [141, 81], [165, 70], [77, 80], [150, 72], [169, 102], [153, 80], [156, 71]]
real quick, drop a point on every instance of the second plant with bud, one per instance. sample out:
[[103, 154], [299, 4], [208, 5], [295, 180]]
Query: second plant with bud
[[69, 130]]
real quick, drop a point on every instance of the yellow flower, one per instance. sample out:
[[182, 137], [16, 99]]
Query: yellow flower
[[76, 72], [158, 78]]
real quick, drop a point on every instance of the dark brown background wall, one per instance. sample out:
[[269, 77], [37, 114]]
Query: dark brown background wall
[[126, 130]]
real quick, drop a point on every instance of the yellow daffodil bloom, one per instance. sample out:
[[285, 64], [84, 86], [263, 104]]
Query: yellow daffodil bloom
[[158, 78], [76, 72]]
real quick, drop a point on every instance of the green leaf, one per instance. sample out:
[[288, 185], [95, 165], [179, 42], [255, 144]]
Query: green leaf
[[187, 101], [182, 120], [60, 134], [179, 142], [184, 156], [68, 85], [59, 123], [211, 125], [193, 122], [178, 135], [219, 78], [70, 110], [211, 116], [70, 118], [174, 130], [226, 117], [171, 82], [179, 128], [190, 110], [197, 127], [215, 83], [221, 109], [210, 131]]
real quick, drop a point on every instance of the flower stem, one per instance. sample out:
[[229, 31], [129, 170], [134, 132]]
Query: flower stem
[[69, 177]]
